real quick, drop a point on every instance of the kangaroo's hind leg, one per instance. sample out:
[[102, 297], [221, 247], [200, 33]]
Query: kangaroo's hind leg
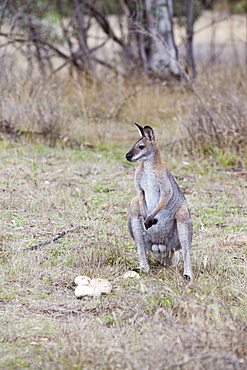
[[136, 229], [184, 228]]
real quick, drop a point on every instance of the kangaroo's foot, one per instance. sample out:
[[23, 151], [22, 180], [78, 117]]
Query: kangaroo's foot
[[145, 268], [187, 277], [188, 274], [141, 269]]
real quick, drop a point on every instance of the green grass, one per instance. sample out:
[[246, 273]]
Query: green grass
[[159, 321]]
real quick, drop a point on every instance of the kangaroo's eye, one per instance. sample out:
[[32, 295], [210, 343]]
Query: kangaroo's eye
[[141, 146]]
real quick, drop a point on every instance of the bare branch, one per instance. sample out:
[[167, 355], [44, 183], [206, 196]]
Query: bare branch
[[103, 22], [24, 39], [58, 236], [3, 7]]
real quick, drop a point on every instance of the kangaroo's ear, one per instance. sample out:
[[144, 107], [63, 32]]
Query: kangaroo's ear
[[140, 128], [149, 133]]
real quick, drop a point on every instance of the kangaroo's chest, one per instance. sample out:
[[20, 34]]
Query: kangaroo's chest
[[151, 188]]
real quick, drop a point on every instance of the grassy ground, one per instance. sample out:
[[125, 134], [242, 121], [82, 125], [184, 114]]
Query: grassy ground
[[157, 322]]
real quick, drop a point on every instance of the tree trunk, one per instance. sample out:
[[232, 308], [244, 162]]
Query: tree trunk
[[150, 35], [190, 31], [162, 54]]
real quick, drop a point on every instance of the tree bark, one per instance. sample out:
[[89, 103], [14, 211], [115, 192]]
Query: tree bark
[[162, 55], [190, 31], [150, 35]]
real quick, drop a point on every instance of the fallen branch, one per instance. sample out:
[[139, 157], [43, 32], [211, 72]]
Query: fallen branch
[[58, 236]]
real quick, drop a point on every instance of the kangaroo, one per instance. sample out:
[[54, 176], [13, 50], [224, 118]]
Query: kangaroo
[[159, 220]]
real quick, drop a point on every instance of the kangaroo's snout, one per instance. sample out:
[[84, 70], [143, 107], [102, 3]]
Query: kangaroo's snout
[[128, 156]]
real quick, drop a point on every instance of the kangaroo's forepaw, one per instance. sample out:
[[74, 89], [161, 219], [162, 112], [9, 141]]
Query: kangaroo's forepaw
[[150, 221]]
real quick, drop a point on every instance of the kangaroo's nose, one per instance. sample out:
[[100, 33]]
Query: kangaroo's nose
[[128, 156]]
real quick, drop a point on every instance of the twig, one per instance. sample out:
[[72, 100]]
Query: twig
[[5, 3], [58, 236], [190, 359]]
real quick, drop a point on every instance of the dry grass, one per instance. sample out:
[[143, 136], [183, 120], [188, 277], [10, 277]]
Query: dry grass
[[66, 167], [76, 109], [218, 122], [157, 322]]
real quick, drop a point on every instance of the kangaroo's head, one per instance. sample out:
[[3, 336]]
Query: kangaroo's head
[[143, 148]]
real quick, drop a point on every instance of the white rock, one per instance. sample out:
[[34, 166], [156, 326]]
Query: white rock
[[81, 280], [102, 284], [131, 274], [87, 290]]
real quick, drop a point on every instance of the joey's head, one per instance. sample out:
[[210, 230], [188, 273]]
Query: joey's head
[[145, 147]]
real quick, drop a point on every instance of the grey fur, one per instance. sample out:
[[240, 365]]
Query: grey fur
[[159, 220]]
